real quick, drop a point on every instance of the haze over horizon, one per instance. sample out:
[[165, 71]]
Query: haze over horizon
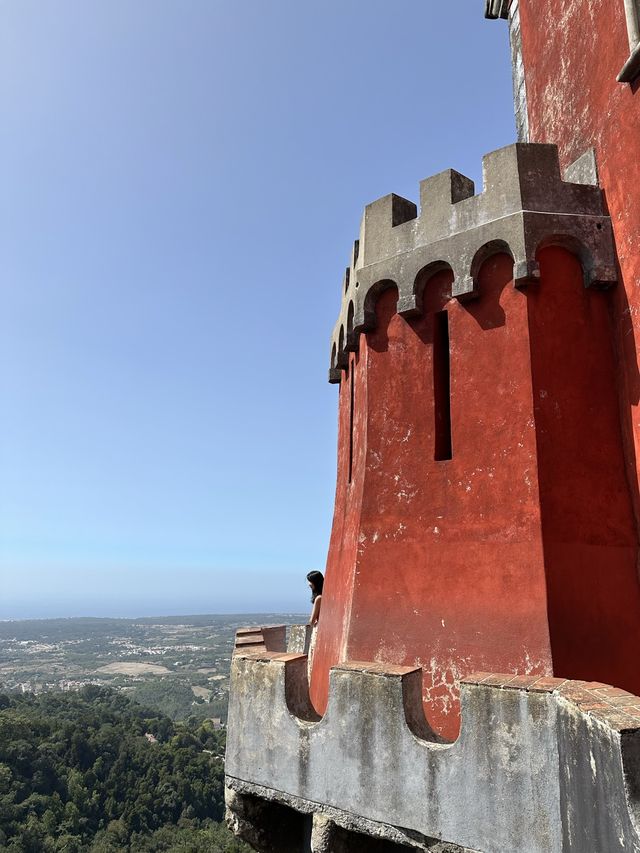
[[133, 613], [182, 184]]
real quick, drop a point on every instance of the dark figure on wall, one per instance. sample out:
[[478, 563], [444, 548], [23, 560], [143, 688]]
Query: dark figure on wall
[[316, 582]]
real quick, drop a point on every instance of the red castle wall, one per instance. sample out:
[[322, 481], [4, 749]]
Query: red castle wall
[[589, 531], [518, 554], [573, 51]]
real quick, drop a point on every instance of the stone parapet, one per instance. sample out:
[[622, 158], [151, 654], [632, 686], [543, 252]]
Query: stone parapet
[[299, 639], [265, 638], [273, 638], [525, 205], [554, 765]]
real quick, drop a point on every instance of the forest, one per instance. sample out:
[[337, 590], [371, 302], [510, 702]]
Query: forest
[[95, 772]]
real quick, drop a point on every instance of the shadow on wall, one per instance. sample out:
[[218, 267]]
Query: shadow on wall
[[587, 498], [382, 301], [496, 268]]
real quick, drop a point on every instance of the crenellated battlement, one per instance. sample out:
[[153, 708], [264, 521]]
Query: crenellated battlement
[[525, 204], [529, 743]]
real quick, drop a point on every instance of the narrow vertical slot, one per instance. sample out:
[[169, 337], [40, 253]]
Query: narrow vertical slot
[[442, 386], [351, 372]]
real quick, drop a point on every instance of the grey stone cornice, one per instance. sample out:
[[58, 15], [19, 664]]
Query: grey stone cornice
[[525, 204]]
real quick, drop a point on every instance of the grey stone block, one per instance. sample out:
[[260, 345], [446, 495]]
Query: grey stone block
[[584, 170], [299, 639]]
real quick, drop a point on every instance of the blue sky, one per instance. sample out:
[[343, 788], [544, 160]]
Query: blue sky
[[181, 182]]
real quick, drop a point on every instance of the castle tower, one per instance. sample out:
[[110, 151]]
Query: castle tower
[[482, 577], [483, 516]]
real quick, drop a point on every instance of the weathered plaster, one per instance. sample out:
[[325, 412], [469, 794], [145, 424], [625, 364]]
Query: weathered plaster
[[553, 765], [573, 51]]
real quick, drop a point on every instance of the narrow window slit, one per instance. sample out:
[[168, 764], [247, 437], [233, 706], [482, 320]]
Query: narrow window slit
[[352, 392], [442, 386]]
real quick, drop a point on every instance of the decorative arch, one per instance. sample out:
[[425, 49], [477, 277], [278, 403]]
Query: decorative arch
[[342, 359], [583, 252], [352, 336], [371, 300], [488, 250], [422, 280]]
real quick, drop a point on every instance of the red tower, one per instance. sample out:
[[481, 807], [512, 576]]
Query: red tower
[[484, 516]]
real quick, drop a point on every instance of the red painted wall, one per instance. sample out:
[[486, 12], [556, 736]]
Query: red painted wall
[[518, 554], [573, 51], [589, 531], [439, 564], [341, 564]]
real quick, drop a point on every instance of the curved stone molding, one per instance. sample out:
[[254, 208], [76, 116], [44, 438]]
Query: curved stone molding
[[525, 204], [535, 749]]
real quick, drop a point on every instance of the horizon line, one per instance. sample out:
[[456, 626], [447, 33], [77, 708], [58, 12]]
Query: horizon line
[[229, 614]]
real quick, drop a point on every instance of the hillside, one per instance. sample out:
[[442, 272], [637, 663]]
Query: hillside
[[79, 773]]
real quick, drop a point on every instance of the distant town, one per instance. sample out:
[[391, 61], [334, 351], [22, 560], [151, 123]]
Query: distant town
[[177, 665]]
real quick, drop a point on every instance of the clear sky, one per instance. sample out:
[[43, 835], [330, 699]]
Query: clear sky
[[180, 184]]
